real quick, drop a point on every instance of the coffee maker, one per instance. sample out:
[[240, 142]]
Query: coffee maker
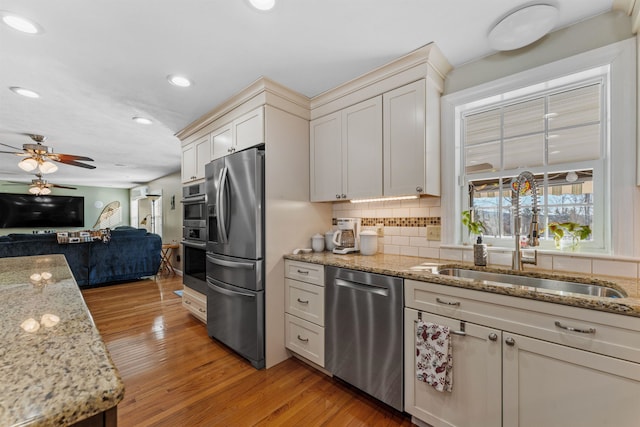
[[347, 236]]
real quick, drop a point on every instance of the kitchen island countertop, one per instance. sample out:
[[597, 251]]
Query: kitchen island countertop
[[55, 368], [422, 269]]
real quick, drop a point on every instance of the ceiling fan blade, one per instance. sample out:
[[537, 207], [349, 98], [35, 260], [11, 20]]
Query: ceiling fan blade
[[11, 146], [11, 152], [74, 163], [62, 186], [63, 157]]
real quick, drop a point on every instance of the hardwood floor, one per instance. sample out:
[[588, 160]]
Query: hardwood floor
[[175, 375]]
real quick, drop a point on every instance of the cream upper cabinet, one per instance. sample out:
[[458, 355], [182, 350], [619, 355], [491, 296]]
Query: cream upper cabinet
[[195, 156], [362, 149], [248, 130], [346, 153], [221, 141], [411, 141], [326, 158]]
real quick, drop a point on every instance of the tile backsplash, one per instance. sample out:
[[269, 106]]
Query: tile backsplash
[[405, 233]]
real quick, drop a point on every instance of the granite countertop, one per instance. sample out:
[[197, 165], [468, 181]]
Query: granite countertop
[[62, 372], [422, 269]]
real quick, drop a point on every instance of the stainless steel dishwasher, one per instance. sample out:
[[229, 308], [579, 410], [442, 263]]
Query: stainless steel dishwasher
[[363, 340]]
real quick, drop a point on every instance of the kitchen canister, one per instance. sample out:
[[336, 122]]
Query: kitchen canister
[[368, 242], [317, 243], [328, 240]]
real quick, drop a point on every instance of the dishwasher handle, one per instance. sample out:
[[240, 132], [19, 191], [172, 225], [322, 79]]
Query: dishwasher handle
[[363, 287]]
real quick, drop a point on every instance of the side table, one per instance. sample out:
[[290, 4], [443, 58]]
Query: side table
[[165, 256]]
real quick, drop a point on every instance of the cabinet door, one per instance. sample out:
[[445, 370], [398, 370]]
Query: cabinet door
[[362, 149], [548, 384], [326, 158], [221, 141], [404, 140], [248, 130], [203, 155], [476, 398], [188, 163]]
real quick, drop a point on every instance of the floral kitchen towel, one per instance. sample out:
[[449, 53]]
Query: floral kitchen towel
[[434, 359]]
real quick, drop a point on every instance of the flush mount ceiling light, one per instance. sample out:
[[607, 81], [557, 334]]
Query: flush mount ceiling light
[[141, 120], [28, 93], [177, 80], [263, 4], [523, 27], [19, 23]]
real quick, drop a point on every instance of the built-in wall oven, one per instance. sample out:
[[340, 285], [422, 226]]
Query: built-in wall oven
[[194, 237]]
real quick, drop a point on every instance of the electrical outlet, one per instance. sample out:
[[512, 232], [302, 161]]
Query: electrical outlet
[[433, 232], [380, 229]]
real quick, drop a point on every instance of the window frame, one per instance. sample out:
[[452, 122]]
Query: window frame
[[620, 59]]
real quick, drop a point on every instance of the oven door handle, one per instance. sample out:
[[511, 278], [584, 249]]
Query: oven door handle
[[193, 200], [194, 245]]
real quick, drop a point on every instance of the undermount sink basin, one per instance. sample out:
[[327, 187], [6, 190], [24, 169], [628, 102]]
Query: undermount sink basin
[[533, 282]]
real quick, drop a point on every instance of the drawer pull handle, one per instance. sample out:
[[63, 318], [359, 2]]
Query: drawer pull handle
[[303, 272], [447, 302], [187, 302], [303, 301], [201, 310], [304, 340], [493, 336], [569, 328]]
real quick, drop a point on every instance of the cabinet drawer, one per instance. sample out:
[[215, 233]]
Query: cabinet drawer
[[605, 333], [305, 301], [196, 303], [304, 271], [305, 338]]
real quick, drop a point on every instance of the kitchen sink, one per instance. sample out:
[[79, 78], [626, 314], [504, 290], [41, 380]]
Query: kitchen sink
[[532, 282]]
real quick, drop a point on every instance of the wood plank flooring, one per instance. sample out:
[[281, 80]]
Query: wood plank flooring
[[175, 375]]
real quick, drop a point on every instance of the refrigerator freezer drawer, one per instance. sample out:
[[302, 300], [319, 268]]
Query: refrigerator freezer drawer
[[243, 273], [235, 317]]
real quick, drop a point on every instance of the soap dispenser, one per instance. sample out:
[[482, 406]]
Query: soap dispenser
[[480, 253]]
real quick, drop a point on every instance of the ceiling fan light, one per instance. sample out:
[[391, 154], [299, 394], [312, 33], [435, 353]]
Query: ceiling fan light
[[48, 167], [44, 191], [28, 164], [34, 190]]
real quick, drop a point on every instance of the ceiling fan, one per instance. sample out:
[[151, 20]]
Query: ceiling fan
[[39, 156], [41, 187]]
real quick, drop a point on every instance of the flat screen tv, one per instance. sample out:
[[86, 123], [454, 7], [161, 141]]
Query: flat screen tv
[[28, 211]]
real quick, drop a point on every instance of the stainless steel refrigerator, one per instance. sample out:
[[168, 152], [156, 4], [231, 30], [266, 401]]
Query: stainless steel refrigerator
[[235, 252]]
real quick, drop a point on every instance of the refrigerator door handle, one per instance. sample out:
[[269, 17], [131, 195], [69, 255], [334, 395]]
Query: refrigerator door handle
[[221, 217], [231, 264], [228, 292]]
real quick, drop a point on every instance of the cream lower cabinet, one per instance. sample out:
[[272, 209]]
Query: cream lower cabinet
[[549, 365], [304, 310], [477, 376], [195, 302]]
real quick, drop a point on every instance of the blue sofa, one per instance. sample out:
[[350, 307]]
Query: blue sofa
[[131, 253]]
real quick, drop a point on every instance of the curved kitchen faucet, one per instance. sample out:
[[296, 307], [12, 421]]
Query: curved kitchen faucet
[[518, 258]]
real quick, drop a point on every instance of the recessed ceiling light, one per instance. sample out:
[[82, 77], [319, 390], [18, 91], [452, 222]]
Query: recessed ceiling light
[[24, 92], [263, 4], [179, 80], [21, 24], [141, 120], [523, 27]]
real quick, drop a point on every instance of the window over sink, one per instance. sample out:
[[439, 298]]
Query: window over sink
[[558, 121]]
